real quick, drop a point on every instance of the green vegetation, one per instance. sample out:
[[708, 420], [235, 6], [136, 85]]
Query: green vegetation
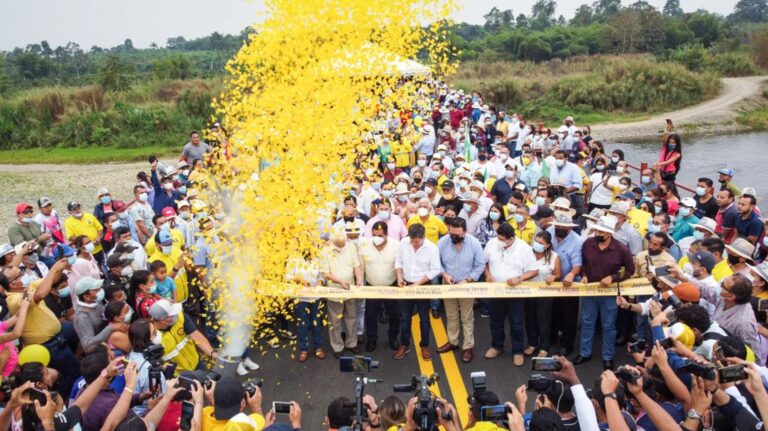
[[93, 155], [756, 118]]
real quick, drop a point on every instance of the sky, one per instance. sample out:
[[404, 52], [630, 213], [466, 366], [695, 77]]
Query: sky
[[107, 23]]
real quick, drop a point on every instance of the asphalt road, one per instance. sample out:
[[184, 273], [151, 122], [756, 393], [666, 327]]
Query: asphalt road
[[315, 383]]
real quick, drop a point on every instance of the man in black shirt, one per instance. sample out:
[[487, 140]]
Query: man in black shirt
[[450, 198], [706, 204], [120, 270]]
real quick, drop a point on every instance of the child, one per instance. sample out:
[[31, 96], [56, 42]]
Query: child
[[166, 287]]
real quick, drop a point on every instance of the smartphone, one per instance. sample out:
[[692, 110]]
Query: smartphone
[[545, 364], [661, 271], [703, 371], [667, 343], [495, 413], [187, 411], [281, 407], [37, 394], [733, 373], [355, 364], [762, 305], [638, 346]]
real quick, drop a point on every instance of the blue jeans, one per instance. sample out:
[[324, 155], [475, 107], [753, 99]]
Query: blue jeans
[[406, 316], [308, 320], [606, 307], [501, 310]]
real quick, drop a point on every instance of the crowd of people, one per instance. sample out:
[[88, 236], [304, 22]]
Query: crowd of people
[[101, 307]]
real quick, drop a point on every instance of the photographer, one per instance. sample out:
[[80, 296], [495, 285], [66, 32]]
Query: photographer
[[142, 335], [229, 399], [441, 411], [479, 400], [180, 336], [557, 397]]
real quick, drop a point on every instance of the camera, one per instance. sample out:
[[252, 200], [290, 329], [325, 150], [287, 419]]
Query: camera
[[696, 369], [154, 355], [424, 413], [539, 384], [627, 375], [674, 301], [357, 364], [251, 385], [478, 383], [211, 377], [667, 343], [639, 346]]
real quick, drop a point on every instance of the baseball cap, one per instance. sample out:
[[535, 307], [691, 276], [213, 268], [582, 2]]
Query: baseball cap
[[165, 238], [164, 308], [543, 212], [227, 396], [125, 248], [102, 191], [704, 258], [688, 202], [118, 259], [73, 205], [726, 171], [687, 292], [21, 207], [183, 203], [61, 250], [86, 284], [169, 212], [6, 249], [447, 184], [627, 195], [44, 202]]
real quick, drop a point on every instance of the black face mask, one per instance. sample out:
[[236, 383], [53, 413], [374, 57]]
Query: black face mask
[[733, 259], [417, 180], [561, 233], [722, 181], [448, 220], [482, 157], [654, 252], [603, 238], [457, 239], [349, 219]]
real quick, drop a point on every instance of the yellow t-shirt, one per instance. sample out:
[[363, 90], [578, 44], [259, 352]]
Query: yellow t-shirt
[[176, 236], [639, 220], [721, 270], [240, 422], [434, 226], [179, 348], [527, 233], [170, 260], [401, 151], [87, 225], [41, 324]]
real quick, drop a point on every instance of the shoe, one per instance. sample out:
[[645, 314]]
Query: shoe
[[425, 353], [543, 354], [564, 352], [492, 353], [253, 366], [303, 356], [435, 314], [581, 359], [370, 346], [241, 370], [320, 353], [467, 355], [518, 359], [485, 314], [361, 339], [447, 347], [336, 354], [621, 340], [356, 350], [394, 343], [383, 317], [608, 365], [401, 352], [529, 350], [286, 334]]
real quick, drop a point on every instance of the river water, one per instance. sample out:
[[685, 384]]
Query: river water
[[745, 153]]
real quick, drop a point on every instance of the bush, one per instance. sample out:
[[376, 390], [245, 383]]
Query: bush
[[732, 64]]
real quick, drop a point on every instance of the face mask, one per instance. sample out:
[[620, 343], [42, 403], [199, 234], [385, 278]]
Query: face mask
[[106, 200], [519, 218], [100, 295], [421, 163], [402, 198], [615, 159], [600, 168], [158, 338], [377, 240], [428, 190], [27, 220], [165, 226], [153, 288], [699, 235], [89, 247], [559, 163], [653, 228], [645, 179], [494, 216], [538, 247], [184, 215], [659, 209], [442, 153], [128, 316], [509, 175], [467, 207], [143, 197], [477, 195], [386, 193], [64, 292], [71, 260], [603, 238], [684, 211], [384, 215], [167, 249], [457, 239], [561, 233], [33, 257], [201, 215], [654, 252], [482, 157], [671, 147], [733, 259], [76, 215], [765, 241], [114, 225], [459, 163], [701, 191], [620, 169], [185, 172], [168, 186], [422, 212], [126, 272], [540, 201], [183, 190], [122, 216], [391, 166], [26, 279], [503, 157], [463, 183]]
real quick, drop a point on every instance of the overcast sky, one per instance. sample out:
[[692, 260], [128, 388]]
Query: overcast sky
[[107, 23]]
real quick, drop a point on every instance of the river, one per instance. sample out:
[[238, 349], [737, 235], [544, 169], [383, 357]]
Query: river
[[704, 156]]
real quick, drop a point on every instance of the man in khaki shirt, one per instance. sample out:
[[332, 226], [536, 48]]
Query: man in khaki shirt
[[340, 265], [656, 253], [378, 254]]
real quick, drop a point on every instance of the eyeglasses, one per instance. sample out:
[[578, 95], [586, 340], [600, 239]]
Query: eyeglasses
[[722, 287]]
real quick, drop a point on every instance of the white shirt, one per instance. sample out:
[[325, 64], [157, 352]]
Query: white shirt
[[418, 263], [514, 261], [366, 198], [488, 169], [473, 220], [601, 195]]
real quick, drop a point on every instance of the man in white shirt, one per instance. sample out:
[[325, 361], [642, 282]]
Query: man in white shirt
[[378, 255], [417, 262], [510, 261], [472, 213]]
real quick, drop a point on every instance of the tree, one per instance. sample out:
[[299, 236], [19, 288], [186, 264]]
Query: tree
[[492, 19], [749, 11], [521, 21], [561, 21], [606, 9], [635, 29], [672, 9], [175, 67], [543, 14], [705, 26], [584, 16], [127, 45], [114, 73], [175, 42], [507, 18]]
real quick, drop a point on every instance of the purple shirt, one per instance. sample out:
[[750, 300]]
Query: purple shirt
[[100, 408], [599, 264]]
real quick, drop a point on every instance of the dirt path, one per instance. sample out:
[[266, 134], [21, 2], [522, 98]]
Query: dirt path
[[719, 109]]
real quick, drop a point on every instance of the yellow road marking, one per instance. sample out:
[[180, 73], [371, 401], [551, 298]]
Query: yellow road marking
[[425, 366], [452, 373]]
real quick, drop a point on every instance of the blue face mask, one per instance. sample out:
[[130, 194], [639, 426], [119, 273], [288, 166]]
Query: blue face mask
[[182, 190], [671, 147], [64, 293], [538, 247], [519, 218], [698, 235], [100, 295], [105, 200], [71, 260], [494, 216], [652, 228]]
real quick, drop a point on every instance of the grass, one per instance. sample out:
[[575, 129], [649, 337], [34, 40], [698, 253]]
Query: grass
[[756, 117], [89, 155]]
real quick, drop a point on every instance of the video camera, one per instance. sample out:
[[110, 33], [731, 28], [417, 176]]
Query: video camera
[[359, 365], [425, 413], [154, 355]]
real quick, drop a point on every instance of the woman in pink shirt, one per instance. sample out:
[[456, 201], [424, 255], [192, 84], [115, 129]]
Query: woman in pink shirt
[[7, 338], [86, 265]]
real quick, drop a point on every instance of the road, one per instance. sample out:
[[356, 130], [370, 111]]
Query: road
[[734, 91], [315, 383]]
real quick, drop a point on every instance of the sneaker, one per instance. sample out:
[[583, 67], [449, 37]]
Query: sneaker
[[241, 370], [253, 366]]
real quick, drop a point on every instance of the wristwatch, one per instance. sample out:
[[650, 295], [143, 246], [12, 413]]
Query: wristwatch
[[693, 415], [610, 395]]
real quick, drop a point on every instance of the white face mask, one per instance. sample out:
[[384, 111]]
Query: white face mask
[[423, 212], [127, 271], [421, 163], [377, 240], [143, 197], [168, 186], [89, 247], [428, 190], [158, 338], [391, 166]]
